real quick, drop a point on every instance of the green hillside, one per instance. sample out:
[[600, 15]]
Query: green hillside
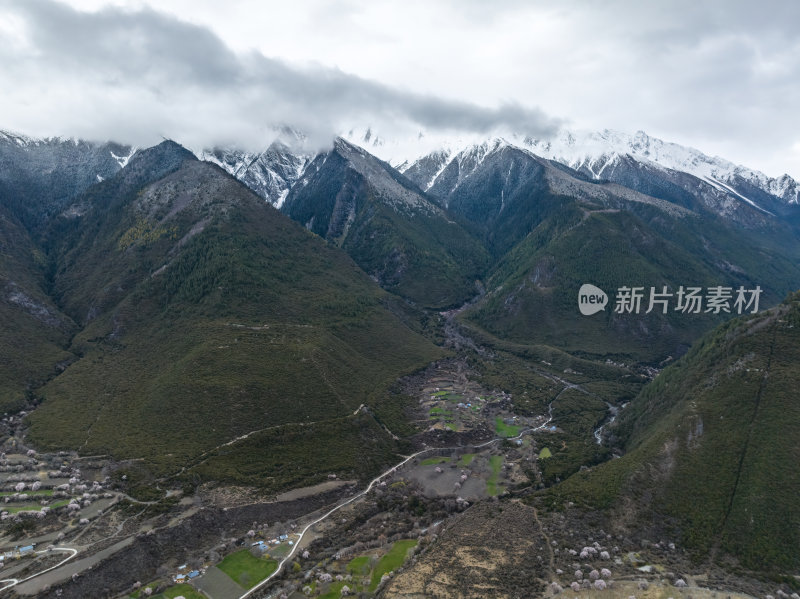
[[34, 332], [208, 315], [533, 292], [713, 447]]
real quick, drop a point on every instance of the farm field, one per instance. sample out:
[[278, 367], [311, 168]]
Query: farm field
[[245, 569], [393, 559]]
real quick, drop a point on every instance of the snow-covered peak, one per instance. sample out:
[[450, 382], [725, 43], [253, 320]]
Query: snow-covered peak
[[575, 148], [595, 149], [26, 141], [125, 158], [269, 173], [20, 140], [403, 150], [590, 151]]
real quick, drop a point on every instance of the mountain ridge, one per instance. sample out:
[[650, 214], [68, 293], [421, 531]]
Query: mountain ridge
[[591, 152], [194, 296]]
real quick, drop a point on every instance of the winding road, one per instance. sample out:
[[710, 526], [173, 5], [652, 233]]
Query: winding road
[[12, 582], [369, 488]]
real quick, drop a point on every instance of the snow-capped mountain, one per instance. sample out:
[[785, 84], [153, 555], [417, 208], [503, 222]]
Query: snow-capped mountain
[[595, 152], [41, 176], [606, 155], [438, 164], [271, 173], [26, 143]]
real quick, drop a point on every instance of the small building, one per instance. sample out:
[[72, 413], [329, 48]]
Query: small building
[[193, 574]]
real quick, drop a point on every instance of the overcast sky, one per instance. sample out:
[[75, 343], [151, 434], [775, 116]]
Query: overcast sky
[[721, 76]]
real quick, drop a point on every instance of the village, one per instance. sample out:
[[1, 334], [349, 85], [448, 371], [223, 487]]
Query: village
[[65, 513]]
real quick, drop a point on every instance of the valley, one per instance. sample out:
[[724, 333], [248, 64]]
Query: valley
[[385, 388], [476, 465]]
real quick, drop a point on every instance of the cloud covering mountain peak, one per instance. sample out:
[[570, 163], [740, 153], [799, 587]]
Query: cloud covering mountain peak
[[142, 74]]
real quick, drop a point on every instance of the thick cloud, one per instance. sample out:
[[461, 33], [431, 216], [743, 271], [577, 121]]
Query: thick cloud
[[719, 75], [139, 75]]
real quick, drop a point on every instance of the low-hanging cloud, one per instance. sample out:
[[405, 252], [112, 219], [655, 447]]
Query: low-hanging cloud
[[141, 75]]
